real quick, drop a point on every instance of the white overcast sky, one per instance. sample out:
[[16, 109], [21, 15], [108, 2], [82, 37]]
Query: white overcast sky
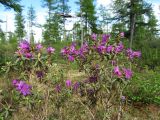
[[41, 14]]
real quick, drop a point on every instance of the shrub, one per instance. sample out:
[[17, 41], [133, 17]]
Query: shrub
[[107, 65], [43, 84], [144, 87]]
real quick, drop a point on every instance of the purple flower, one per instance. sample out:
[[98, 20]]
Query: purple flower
[[76, 86], [72, 48], [76, 52], [20, 84], [71, 52], [85, 45], [132, 54], [22, 87], [137, 54], [129, 53], [58, 88], [122, 34], [64, 51], [50, 50], [109, 49], [128, 73], [117, 71], [14, 82], [101, 49], [24, 45], [28, 55], [94, 36], [39, 74], [39, 47], [81, 53], [119, 48], [105, 38], [70, 58], [83, 50], [68, 83], [25, 89]]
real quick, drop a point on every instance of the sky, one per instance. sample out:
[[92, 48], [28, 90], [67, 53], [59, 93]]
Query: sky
[[41, 13]]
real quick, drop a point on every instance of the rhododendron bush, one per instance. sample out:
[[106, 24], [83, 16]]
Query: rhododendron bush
[[28, 75], [105, 62]]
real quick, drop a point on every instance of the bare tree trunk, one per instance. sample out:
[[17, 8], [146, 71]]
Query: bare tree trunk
[[132, 28], [49, 15], [132, 23], [86, 24]]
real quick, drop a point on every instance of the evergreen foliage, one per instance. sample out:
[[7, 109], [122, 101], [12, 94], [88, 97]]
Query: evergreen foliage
[[19, 24]]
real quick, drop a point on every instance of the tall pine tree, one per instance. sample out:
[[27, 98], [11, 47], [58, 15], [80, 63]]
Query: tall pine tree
[[19, 24], [14, 4], [32, 22], [52, 26], [104, 18], [87, 12], [132, 13]]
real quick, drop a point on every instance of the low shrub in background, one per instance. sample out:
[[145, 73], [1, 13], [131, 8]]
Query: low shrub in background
[[144, 87]]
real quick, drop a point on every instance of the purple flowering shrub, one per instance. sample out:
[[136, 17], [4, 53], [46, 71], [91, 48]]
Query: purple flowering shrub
[[32, 59], [48, 88], [26, 75], [107, 63], [22, 87]]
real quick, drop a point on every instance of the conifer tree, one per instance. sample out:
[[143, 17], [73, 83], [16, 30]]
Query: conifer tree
[[132, 13], [19, 24], [104, 18], [51, 27], [87, 12], [32, 22], [14, 4]]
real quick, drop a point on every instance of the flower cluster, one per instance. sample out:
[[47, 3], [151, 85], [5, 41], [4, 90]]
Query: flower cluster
[[50, 50], [103, 47], [94, 36], [126, 72], [24, 46], [71, 52], [119, 48], [26, 50], [133, 54], [22, 87], [39, 47]]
